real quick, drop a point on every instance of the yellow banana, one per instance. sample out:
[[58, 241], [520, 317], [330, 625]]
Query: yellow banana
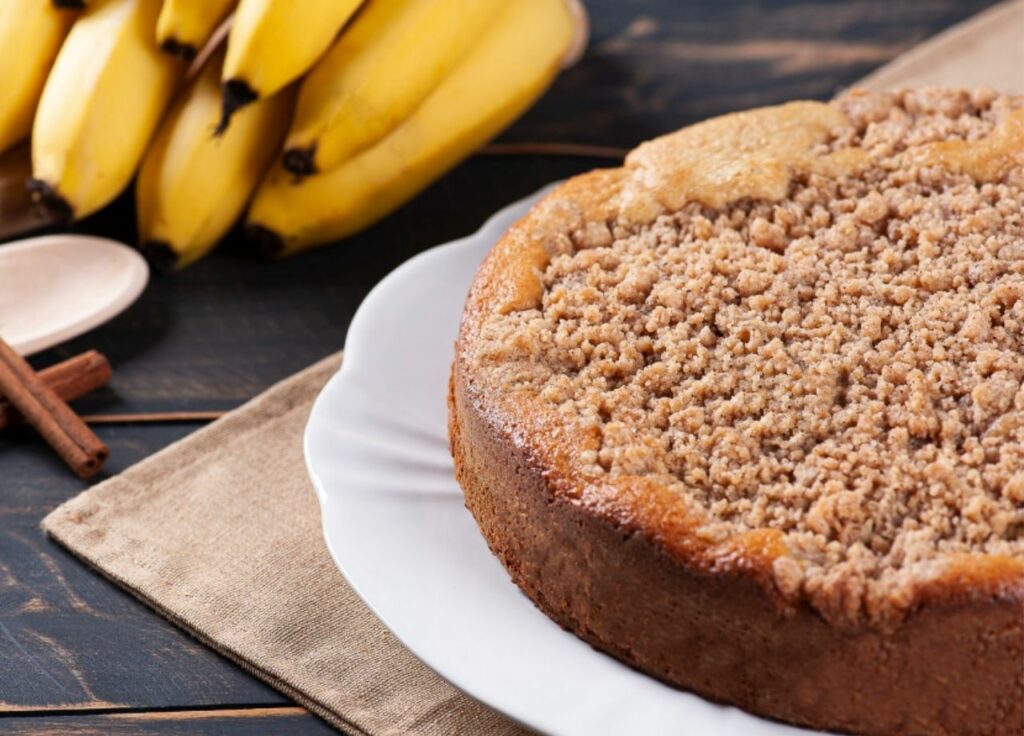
[[381, 68], [274, 42], [193, 186], [184, 26], [31, 32], [101, 104], [507, 70]]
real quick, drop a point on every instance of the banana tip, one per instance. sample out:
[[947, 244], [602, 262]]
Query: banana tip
[[264, 242], [160, 254], [178, 48], [235, 94], [69, 4], [301, 161], [46, 196]]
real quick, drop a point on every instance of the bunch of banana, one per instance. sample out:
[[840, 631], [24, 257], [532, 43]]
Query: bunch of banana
[[103, 100], [392, 57], [320, 116], [515, 57], [193, 186]]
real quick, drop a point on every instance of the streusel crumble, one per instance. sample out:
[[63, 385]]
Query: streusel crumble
[[845, 365]]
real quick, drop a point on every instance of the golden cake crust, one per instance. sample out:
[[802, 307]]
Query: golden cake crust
[[621, 559]]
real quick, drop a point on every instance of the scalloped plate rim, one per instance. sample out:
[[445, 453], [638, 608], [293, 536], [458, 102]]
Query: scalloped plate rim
[[585, 717]]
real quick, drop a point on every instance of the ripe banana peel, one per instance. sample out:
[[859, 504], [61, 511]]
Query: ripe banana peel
[[184, 26], [102, 102], [274, 42], [392, 56], [514, 61], [193, 186], [31, 33]]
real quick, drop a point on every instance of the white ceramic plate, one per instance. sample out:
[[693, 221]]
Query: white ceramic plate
[[57, 287], [377, 450]]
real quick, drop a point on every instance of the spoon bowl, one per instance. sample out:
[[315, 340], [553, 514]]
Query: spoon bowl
[[56, 287]]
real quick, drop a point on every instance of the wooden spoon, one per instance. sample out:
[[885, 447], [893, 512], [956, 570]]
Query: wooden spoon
[[56, 287]]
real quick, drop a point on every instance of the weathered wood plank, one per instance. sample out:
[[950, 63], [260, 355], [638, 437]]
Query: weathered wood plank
[[68, 638], [655, 66], [282, 721]]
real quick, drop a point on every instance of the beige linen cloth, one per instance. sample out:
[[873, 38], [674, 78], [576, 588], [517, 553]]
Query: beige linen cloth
[[221, 533]]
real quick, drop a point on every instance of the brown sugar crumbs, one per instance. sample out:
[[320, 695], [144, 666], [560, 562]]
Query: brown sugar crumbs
[[845, 366]]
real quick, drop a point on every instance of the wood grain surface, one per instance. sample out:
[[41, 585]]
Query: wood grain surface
[[79, 656], [236, 721]]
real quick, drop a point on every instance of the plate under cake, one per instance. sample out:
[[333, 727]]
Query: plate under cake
[[747, 413]]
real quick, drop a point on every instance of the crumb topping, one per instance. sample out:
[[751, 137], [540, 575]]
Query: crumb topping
[[845, 366]]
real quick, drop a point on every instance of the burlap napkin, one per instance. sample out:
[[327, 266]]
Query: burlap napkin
[[221, 534], [984, 51]]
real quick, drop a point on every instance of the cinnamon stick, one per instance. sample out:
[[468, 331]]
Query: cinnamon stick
[[64, 430], [70, 380], [157, 417]]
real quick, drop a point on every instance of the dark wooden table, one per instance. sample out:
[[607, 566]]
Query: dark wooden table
[[79, 656]]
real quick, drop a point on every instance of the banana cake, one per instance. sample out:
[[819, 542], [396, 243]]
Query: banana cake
[[747, 413]]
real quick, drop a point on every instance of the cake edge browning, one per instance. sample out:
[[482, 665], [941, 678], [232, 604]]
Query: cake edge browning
[[954, 666]]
